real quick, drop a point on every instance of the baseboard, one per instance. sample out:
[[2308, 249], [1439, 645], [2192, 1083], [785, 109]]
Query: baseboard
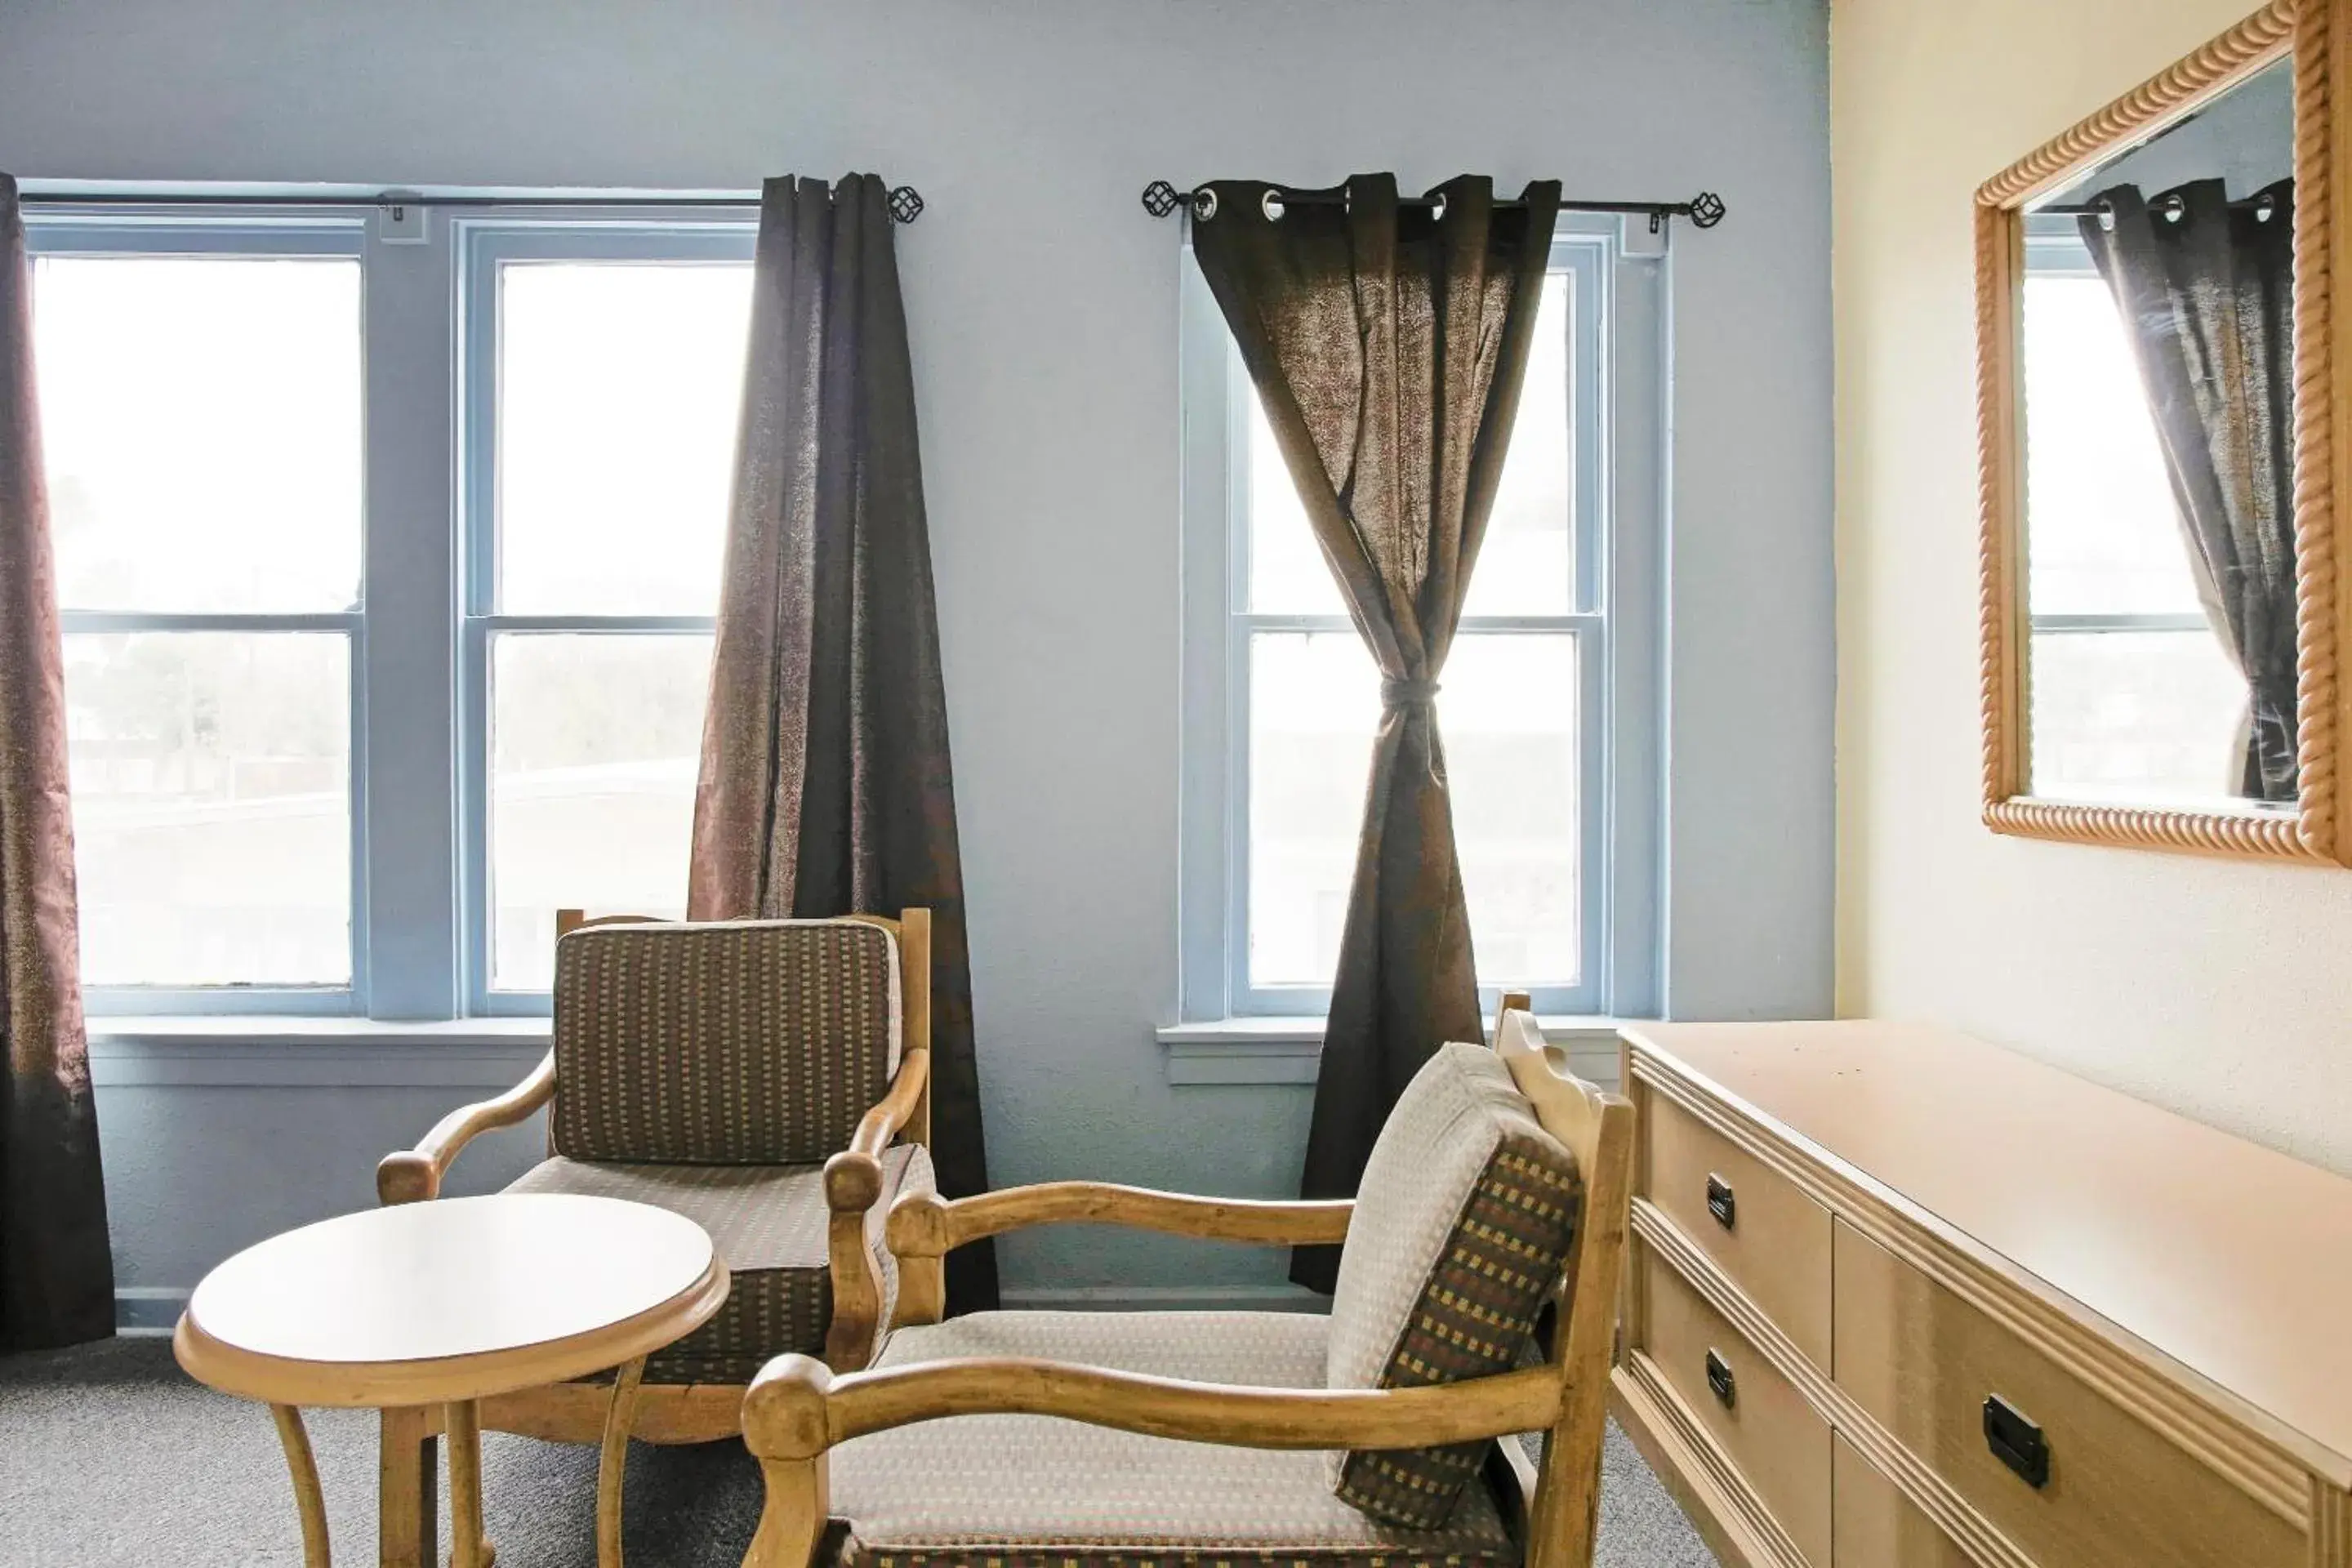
[[1169, 1299], [148, 1309]]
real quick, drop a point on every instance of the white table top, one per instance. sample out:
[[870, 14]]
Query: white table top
[[458, 1298]]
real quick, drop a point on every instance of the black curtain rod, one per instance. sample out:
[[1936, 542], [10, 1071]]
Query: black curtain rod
[[1705, 210], [905, 203]]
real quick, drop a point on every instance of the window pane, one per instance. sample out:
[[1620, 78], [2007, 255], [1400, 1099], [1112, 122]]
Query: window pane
[[1508, 712], [619, 385], [593, 740], [212, 806], [200, 419], [2131, 716], [2103, 535], [1524, 565]]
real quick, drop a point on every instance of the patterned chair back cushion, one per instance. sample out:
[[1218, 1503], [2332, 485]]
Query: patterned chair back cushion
[[1464, 1222], [734, 1043]]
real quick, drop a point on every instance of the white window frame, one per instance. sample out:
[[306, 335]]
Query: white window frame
[[1616, 363], [484, 245], [419, 637]]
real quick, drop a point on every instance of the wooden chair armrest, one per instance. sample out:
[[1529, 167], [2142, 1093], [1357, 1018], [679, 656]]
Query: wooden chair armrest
[[923, 1225], [412, 1176], [853, 1178], [853, 1185], [796, 1409]]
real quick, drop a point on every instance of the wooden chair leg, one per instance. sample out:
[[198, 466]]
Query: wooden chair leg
[[407, 1478], [468, 1548], [1563, 1526], [798, 1503], [308, 1500], [613, 1463]]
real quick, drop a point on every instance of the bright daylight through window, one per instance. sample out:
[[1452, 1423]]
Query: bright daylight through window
[[202, 426], [2130, 690], [1509, 710], [312, 770], [618, 387]]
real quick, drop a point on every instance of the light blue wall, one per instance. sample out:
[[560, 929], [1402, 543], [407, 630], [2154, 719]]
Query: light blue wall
[[1043, 306]]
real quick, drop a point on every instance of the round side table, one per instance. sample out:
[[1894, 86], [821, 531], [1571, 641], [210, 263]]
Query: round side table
[[431, 1306]]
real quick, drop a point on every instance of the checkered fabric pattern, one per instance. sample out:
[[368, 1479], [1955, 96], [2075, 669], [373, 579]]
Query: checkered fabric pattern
[[1464, 1222], [738, 1043], [1031, 1491], [769, 1224]]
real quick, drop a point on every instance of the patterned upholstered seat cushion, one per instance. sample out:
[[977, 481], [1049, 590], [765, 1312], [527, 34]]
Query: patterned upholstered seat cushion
[[1464, 1221], [769, 1224], [1030, 1491], [740, 1043]]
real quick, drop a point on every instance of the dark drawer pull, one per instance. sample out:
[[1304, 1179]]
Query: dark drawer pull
[[1718, 1378], [1720, 1203], [2016, 1441]]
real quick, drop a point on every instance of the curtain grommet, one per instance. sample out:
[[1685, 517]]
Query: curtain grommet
[[1271, 205], [1204, 205]]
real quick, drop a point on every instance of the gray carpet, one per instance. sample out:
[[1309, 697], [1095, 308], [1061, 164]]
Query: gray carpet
[[111, 1459]]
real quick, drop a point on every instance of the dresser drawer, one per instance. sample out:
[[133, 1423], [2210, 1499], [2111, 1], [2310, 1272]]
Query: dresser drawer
[[2116, 1494], [1757, 1417], [1874, 1525], [1759, 1229]]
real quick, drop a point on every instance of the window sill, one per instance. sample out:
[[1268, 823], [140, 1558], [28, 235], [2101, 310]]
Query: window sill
[[1288, 1051], [221, 1050]]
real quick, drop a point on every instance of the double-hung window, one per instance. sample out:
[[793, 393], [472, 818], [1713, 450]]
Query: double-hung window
[[388, 563], [1545, 701], [200, 396], [603, 371]]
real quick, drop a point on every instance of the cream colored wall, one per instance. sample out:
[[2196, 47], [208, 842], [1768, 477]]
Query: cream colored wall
[[2221, 989]]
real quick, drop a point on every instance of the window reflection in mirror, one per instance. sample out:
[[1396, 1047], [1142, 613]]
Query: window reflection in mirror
[[2156, 336]]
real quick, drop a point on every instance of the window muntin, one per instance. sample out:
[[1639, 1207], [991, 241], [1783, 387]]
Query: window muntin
[[201, 394], [604, 377]]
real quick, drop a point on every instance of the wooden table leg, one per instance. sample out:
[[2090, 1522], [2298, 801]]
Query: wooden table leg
[[467, 1547], [308, 1498], [407, 1480], [613, 1464]]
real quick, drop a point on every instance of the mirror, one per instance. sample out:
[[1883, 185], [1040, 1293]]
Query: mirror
[[2147, 634]]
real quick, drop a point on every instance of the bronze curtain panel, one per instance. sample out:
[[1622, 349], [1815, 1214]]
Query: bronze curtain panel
[[56, 1280], [2207, 292], [1388, 346], [825, 787]]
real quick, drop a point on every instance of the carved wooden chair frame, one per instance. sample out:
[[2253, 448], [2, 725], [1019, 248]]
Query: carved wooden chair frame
[[796, 1409]]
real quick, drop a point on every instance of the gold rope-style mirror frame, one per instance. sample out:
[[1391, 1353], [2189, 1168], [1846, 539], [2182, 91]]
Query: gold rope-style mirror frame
[[2314, 33]]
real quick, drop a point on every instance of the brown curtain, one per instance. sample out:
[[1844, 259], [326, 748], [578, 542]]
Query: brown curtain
[[2207, 290], [826, 788], [1388, 345], [56, 1280]]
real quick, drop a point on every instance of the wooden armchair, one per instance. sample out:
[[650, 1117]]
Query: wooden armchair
[[1497, 1198], [808, 1046]]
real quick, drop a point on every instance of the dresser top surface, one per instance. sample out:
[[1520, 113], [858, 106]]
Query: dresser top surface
[[2232, 1259]]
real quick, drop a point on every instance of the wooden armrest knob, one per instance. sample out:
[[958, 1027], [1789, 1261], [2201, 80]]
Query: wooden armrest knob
[[918, 1226], [407, 1177], [852, 1182], [784, 1409]]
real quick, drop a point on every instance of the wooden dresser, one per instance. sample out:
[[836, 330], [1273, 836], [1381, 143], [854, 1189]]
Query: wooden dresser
[[1899, 1299]]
